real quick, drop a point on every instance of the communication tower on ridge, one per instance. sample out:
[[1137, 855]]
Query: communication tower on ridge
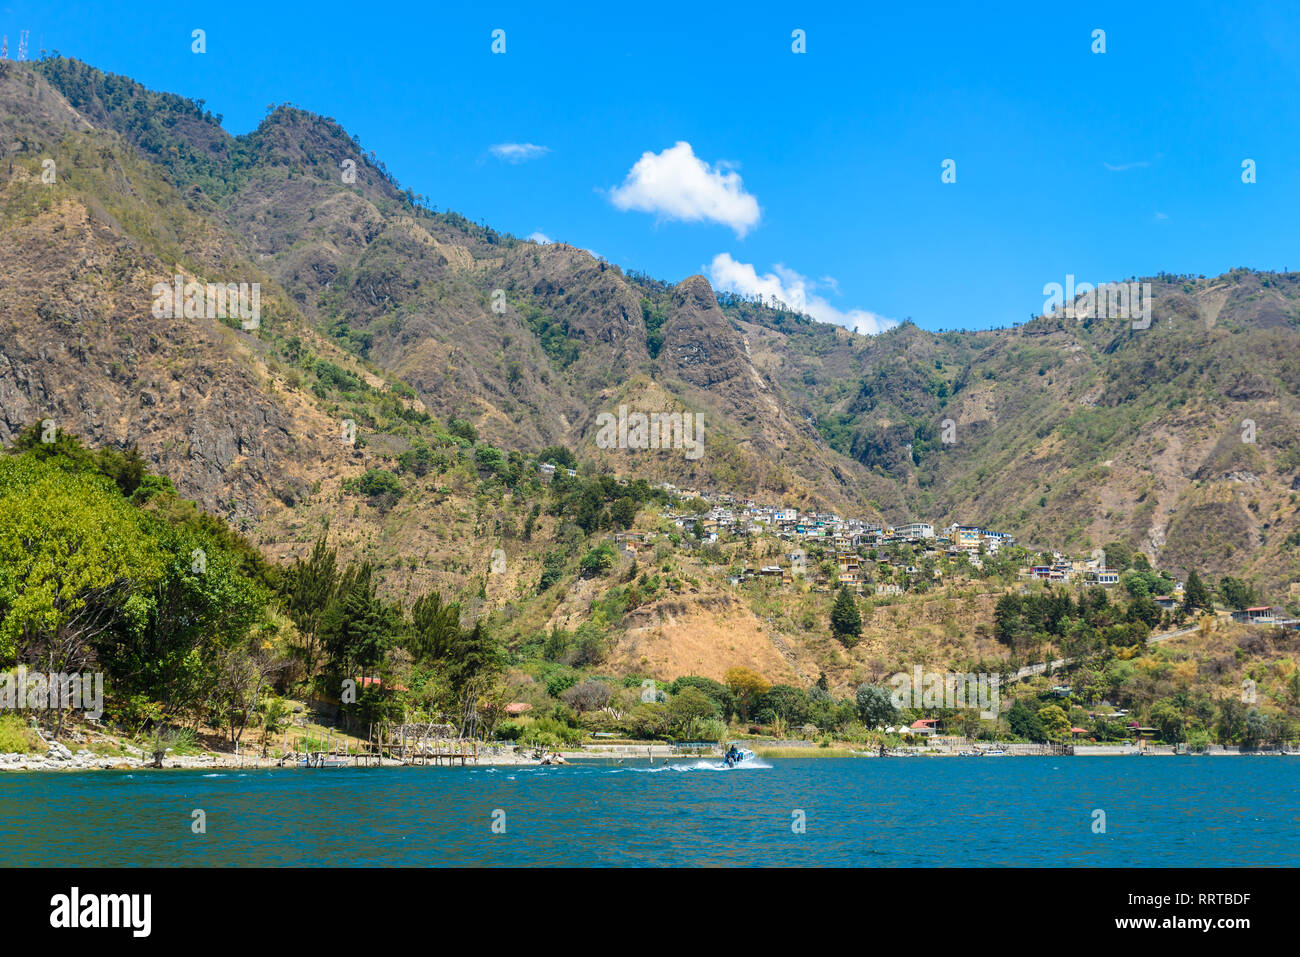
[[22, 46], [4, 49]]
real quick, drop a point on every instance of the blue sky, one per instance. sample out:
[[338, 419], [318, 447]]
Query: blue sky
[[814, 175]]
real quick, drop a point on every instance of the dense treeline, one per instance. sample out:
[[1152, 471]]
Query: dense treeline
[[104, 568]]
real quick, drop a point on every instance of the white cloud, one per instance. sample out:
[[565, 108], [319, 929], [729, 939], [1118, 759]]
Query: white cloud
[[540, 238], [519, 152], [676, 184], [792, 289]]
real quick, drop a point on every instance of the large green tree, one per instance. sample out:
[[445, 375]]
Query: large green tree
[[875, 705], [1196, 597], [846, 621], [310, 586], [76, 560]]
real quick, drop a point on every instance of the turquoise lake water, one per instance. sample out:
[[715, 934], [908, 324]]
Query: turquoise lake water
[[1189, 811]]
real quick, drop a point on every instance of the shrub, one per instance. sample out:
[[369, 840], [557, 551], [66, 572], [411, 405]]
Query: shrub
[[599, 559], [379, 482], [15, 736], [560, 682], [463, 430]]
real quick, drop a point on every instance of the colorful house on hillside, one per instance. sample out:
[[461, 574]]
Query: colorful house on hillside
[[965, 537]]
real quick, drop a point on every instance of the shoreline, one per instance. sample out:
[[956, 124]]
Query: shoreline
[[84, 761]]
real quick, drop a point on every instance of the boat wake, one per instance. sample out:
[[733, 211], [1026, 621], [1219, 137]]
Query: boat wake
[[753, 764]]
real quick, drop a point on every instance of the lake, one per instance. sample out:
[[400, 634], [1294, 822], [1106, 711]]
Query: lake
[[965, 812]]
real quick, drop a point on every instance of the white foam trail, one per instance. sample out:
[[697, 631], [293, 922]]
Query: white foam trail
[[752, 764]]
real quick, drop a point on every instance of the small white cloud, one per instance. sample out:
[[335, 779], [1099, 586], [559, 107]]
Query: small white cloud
[[1121, 167], [519, 152], [792, 289], [676, 184], [1160, 215], [540, 238]]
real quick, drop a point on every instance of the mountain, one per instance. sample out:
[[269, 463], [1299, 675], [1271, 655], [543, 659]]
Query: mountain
[[1180, 440]]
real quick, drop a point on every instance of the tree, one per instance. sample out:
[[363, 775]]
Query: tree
[[1255, 730], [876, 706], [1144, 609], [1195, 595], [587, 696], [241, 676], [1118, 556], [418, 459], [76, 561], [463, 430], [434, 627], [1055, 722], [599, 559], [200, 605], [1169, 718], [748, 686], [724, 700], [355, 628], [311, 585], [1140, 584], [379, 482], [274, 713], [1025, 723], [846, 622], [689, 706], [1009, 625], [557, 455], [475, 656], [1236, 593], [623, 512], [1231, 726], [787, 701]]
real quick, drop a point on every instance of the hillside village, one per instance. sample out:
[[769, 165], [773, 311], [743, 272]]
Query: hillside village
[[729, 517], [874, 558]]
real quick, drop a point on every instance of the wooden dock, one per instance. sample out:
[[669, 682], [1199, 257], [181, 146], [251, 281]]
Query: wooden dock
[[423, 744], [410, 745]]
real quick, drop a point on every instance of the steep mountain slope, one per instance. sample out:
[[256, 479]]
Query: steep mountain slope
[[1180, 439], [530, 343], [85, 348]]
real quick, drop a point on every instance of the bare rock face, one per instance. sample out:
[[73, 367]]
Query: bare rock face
[[81, 347], [701, 347]]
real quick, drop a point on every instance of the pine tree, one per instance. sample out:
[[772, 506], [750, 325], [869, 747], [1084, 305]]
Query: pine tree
[[846, 622], [1195, 594]]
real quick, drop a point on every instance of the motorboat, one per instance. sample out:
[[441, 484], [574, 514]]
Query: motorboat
[[735, 755]]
